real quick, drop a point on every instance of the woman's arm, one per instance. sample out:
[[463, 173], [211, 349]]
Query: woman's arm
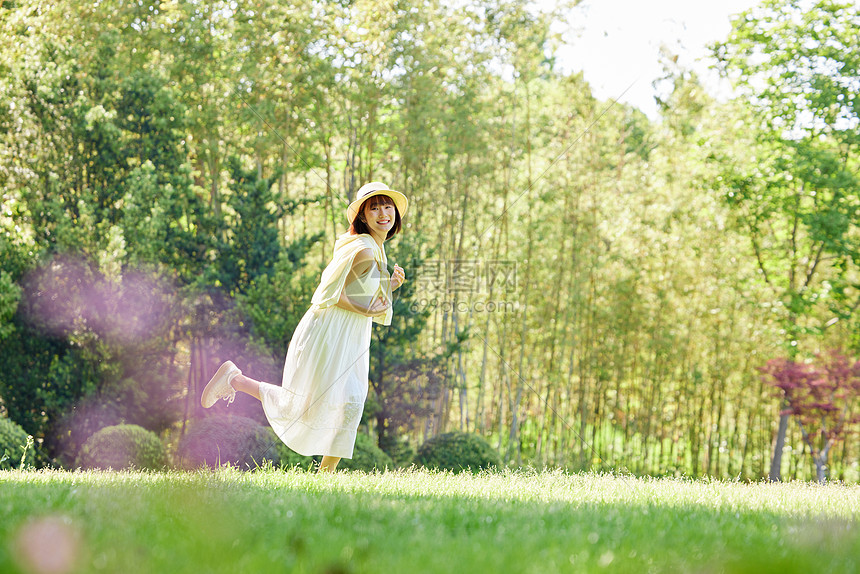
[[379, 306], [361, 264]]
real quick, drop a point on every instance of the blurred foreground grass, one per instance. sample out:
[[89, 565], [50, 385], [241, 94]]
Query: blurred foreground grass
[[419, 521]]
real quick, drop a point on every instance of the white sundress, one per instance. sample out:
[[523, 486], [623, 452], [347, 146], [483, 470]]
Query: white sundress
[[319, 405]]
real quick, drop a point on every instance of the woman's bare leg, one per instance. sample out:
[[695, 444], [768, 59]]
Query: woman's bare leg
[[251, 387], [246, 385], [328, 464]]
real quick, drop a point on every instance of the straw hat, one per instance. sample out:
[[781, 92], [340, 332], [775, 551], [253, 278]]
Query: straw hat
[[368, 190]]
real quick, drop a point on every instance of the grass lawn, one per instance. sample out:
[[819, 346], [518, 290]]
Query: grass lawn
[[419, 521]]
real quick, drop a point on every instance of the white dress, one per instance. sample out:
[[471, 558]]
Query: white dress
[[318, 407]]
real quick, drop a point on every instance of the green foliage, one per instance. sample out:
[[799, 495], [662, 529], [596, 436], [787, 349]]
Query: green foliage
[[123, 446], [287, 457], [400, 450], [792, 178], [404, 383], [41, 402], [254, 246], [15, 446], [274, 305], [10, 294], [458, 451], [87, 351], [216, 146], [638, 133], [273, 287], [367, 456], [797, 60], [217, 440]]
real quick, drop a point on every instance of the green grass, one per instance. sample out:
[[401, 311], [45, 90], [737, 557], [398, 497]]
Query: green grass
[[418, 521]]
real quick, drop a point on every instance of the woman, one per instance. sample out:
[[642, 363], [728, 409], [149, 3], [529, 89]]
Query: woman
[[317, 408]]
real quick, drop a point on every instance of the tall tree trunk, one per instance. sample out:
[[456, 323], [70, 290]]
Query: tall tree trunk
[[779, 444]]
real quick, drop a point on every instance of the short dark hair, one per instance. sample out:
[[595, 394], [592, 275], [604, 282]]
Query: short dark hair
[[358, 226]]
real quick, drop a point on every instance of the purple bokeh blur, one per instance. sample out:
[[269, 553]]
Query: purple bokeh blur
[[69, 294]]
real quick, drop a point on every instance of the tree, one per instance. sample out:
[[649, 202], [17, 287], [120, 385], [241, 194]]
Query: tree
[[822, 398], [406, 382], [795, 185]]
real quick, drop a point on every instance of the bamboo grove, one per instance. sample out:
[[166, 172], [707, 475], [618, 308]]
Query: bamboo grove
[[587, 287]]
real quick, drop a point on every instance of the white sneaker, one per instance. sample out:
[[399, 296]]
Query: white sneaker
[[219, 386]]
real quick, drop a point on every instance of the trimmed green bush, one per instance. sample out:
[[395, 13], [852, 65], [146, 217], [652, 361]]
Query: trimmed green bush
[[366, 456], [218, 440], [13, 442], [123, 446], [457, 451], [289, 457], [400, 451]]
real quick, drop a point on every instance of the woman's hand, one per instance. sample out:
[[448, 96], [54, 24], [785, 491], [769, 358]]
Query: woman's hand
[[398, 278], [379, 306]]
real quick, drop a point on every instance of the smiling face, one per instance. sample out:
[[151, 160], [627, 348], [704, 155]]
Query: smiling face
[[379, 213], [378, 216]]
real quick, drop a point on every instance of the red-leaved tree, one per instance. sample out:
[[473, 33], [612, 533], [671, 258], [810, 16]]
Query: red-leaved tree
[[822, 396]]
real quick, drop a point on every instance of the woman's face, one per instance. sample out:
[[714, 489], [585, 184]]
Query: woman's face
[[379, 214]]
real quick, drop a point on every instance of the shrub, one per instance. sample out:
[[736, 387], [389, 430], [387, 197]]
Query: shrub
[[400, 451], [218, 440], [67, 436], [123, 446], [290, 458], [13, 442], [457, 451], [367, 456]]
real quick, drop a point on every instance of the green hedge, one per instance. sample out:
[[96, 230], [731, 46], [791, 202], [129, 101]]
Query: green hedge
[[457, 451], [245, 443], [123, 446], [238, 441], [366, 456], [13, 441], [290, 458], [399, 449]]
